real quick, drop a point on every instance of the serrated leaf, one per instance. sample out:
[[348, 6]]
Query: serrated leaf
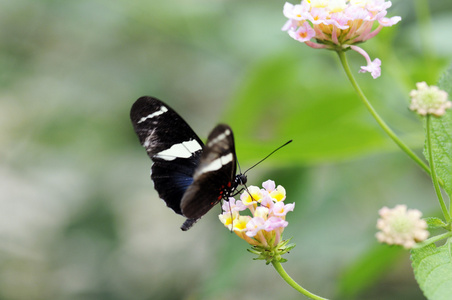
[[434, 222], [433, 270], [441, 138]]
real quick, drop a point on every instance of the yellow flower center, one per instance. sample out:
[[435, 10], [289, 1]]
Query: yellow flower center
[[278, 194], [240, 223], [303, 34]]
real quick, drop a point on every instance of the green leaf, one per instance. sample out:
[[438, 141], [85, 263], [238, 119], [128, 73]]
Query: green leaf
[[434, 222], [280, 99], [433, 270], [441, 136]]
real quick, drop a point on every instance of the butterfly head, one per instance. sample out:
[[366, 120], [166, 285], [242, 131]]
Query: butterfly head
[[240, 179]]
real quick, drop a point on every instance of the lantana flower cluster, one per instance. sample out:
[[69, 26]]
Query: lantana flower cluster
[[429, 100], [339, 24], [401, 226], [264, 222]]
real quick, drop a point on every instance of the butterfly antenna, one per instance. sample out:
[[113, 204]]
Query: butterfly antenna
[[285, 144], [238, 164], [240, 172]]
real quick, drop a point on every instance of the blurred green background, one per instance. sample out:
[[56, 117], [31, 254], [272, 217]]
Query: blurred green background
[[79, 218]]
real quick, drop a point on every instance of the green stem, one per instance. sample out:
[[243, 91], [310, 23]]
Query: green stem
[[292, 283], [433, 171], [379, 120], [433, 240]]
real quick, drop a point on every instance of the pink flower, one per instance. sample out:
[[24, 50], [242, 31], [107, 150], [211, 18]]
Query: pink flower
[[254, 226], [267, 201], [227, 218], [280, 209], [240, 223], [338, 24], [233, 205], [389, 22], [296, 12], [373, 67], [251, 196], [279, 194], [317, 15], [276, 193], [261, 211], [269, 185], [268, 212], [274, 223]]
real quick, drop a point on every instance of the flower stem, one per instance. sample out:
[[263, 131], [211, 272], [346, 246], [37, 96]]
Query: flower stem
[[277, 265], [379, 120], [434, 239], [433, 171]]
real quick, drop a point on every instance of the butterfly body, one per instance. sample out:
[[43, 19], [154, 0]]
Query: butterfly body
[[189, 176]]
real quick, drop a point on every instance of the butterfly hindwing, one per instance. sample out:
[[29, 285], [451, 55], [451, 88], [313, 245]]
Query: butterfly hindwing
[[214, 175], [172, 145], [189, 176]]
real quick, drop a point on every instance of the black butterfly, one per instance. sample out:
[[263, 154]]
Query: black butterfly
[[189, 176]]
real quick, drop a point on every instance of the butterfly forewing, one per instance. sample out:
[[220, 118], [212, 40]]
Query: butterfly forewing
[[172, 145], [214, 175]]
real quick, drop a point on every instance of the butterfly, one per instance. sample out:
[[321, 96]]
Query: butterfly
[[190, 176]]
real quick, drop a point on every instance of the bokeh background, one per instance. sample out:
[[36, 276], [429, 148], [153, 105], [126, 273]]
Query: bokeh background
[[79, 218]]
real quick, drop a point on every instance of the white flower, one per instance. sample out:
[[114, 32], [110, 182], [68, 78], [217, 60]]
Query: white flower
[[400, 226], [429, 100]]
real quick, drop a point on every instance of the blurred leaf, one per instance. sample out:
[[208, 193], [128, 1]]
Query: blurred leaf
[[366, 271], [97, 219], [281, 99], [433, 270], [441, 138]]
